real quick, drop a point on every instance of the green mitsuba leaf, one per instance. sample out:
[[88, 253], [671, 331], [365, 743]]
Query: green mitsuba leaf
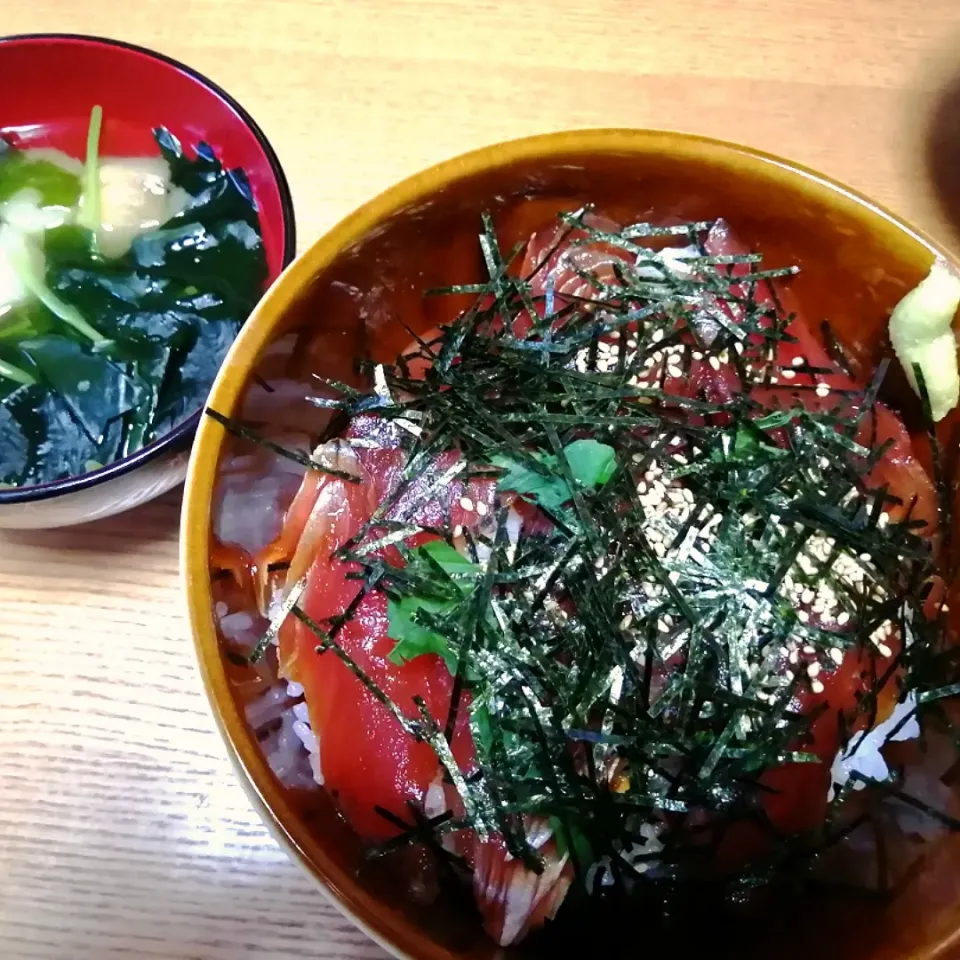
[[413, 639], [591, 465], [451, 576]]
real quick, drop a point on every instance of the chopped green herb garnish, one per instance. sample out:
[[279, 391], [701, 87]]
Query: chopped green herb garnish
[[591, 464], [89, 215], [440, 594]]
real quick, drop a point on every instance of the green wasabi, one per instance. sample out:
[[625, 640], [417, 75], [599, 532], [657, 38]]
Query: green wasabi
[[921, 334]]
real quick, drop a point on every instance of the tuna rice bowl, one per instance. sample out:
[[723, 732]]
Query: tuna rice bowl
[[589, 567]]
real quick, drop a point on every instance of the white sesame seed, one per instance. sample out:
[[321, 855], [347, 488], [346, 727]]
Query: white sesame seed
[[458, 530], [808, 596], [794, 656], [482, 508], [697, 355], [813, 670], [836, 655], [884, 650], [637, 458], [466, 503], [803, 615], [626, 621], [798, 361], [816, 686], [788, 374], [823, 390], [714, 363], [809, 648], [657, 336]]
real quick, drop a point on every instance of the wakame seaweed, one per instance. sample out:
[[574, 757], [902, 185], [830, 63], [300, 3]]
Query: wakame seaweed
[[155, 323]]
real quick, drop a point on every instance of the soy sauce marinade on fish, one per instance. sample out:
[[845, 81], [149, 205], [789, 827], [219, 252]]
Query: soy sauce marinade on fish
[[606, 584]]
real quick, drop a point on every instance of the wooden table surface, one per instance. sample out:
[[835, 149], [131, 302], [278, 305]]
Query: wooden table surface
[[122, 831]]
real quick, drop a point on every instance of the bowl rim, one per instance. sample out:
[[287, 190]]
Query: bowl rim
[[177, 437], [396, 934]]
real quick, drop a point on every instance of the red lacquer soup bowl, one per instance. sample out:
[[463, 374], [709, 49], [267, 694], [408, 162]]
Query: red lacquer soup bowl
[[48, 85]]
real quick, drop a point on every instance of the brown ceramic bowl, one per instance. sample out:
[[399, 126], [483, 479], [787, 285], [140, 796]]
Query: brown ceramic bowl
[[857, 260]]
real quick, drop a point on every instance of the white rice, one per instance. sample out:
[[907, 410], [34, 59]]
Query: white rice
[[267, 708], [862, 755], [291, 747], [300, 710], [237, 628], [637, 855]]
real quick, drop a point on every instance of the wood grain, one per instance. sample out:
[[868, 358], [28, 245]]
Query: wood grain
[[122, 831]]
